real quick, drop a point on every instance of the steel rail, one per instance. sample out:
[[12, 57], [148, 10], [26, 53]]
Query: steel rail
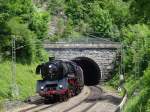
[[84, 110]]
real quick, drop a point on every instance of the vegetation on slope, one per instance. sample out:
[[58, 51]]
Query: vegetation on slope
[[25, 79], [125, 21], [29, 24]]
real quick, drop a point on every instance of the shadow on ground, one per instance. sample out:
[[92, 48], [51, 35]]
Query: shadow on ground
[[109, 98]]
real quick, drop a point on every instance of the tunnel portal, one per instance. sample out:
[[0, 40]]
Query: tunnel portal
[[90, 69]]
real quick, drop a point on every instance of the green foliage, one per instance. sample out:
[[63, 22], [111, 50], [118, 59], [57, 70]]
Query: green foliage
[[126, 21], [23, 37], [136, 59], [147, 106], [147, 83], [140, 101], [136, 104], [132, 85], [69, 28], [140, 10], [136, 42], [55, 6], [146, 77], [25, 77], [103, 17], [39, 24], [20, 7], [74, 10], [41, 54], [88, 16], [114, 81], [22, 19], [101, 20], [119, 11]]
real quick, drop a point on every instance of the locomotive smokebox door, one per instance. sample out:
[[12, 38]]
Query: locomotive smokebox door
[[51, 58]]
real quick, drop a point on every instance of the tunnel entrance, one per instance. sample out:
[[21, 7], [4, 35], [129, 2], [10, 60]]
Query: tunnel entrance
[[90, 69]]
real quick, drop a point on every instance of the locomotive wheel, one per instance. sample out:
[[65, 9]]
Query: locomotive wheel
[[61, 98], [70, 94], [46, 100], [65, 97], [77, 91]]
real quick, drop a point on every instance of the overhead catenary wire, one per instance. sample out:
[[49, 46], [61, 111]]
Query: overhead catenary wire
[[14, 87]]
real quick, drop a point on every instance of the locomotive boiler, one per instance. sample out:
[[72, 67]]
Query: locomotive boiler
[[60, 79]]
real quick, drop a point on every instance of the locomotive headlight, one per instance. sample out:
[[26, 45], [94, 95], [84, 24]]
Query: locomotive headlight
[[42, 87], [60, 86]]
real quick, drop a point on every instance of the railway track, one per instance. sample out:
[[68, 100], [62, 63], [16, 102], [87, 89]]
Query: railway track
[[91, 99], [87, 103], [39, 105]]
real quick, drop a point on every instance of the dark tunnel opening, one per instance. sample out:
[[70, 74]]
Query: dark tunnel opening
[[90, 69]]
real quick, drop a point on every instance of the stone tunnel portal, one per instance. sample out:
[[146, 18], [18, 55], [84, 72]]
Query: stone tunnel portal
[[90, 69]]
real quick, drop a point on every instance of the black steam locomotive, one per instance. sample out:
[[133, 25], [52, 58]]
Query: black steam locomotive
[[60, 79]]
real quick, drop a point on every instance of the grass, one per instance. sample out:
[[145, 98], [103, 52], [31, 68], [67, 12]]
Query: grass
[[138, 90], [131, 85], [1, 106], [25, 79], [114, 82], [137, 103]]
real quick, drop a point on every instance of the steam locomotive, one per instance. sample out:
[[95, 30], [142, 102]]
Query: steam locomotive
[[60, 79]]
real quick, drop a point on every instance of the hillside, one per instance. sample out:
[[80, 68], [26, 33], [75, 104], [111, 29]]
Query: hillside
[[26, 24], [32, 22], [25, 79]]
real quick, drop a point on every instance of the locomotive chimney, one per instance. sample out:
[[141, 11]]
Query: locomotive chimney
[[51, 58]]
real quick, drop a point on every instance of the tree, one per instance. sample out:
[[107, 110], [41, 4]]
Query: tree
[[141, 11]]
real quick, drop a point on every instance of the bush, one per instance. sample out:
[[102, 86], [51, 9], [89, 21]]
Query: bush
[[101, 20], [25, 78], [119, 11], [137, 102], [27, 23], [24, 37], [147, 106], [136, 42], [39, 24], [55, 6]]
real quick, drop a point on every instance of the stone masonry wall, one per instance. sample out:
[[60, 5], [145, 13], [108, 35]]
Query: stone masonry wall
[[103, 57]]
